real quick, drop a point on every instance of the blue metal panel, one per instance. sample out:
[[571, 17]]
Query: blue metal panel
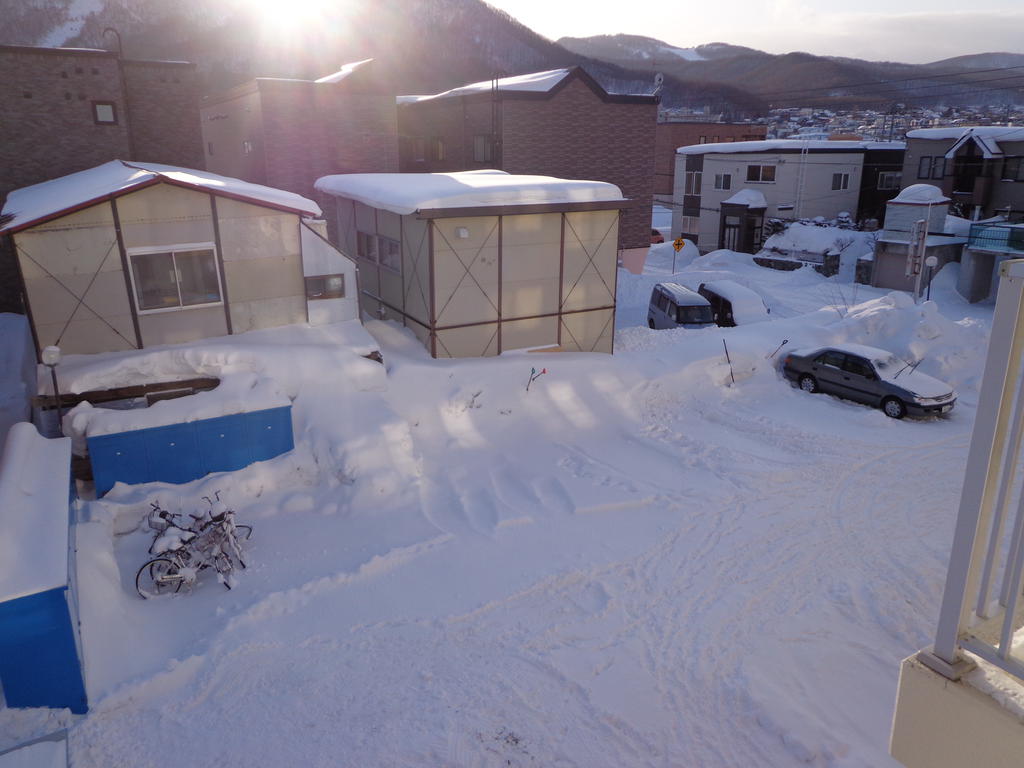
[[270, 432], [39, 665], [224, 443], [119, 457], [183, 452], [173, 453]]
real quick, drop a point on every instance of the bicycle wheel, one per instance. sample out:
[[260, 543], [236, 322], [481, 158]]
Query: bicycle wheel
[[158, 577]]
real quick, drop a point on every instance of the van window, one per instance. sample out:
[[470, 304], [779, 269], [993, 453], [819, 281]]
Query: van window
[[662, 302], [694, 315]]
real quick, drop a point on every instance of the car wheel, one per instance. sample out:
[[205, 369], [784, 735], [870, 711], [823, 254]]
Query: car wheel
[[808, 383], [650, 323], [894, 408]]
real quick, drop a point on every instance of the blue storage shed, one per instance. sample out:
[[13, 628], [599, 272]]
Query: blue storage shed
[[40, 659]]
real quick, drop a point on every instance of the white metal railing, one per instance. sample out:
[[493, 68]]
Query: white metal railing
[[981, 605]]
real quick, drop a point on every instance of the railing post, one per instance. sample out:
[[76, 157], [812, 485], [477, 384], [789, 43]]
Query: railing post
[[988, 442]]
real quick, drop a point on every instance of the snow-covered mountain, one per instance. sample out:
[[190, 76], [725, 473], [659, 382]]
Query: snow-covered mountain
[[805, 79]]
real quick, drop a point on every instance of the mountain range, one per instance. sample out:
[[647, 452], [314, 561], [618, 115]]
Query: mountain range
[[425, 46]]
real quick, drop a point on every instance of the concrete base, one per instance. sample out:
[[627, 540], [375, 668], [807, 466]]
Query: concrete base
[[940, 723], [633, 259]]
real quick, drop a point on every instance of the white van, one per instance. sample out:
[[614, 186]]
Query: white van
[[676, 306]]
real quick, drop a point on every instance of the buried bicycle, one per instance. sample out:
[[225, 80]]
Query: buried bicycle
[[182, 550]]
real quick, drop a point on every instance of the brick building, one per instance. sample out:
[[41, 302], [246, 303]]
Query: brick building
[[559, 123], [671, 135], [288, 133], [68, 109]]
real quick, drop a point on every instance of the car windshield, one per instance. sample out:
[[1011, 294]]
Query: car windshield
[[888, 365], [694, 315]]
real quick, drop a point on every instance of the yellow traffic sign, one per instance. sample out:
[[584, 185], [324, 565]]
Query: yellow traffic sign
[[678, 244]]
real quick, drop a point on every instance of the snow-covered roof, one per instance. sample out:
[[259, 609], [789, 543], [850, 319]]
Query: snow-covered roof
[[34, 488], [920, 194], [344, 72], [46, 200], [786, 145], [405, 193], [990, 132], [535, 82], [751, 198], [683, 296]]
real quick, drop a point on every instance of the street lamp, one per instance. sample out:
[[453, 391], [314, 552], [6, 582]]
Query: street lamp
[[51, 359], [931, 262]]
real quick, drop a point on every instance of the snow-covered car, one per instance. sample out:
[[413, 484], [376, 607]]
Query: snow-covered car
[[674, 306], [656, 237], [734, 304], [871, 376]]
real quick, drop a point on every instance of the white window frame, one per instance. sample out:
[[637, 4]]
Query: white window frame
[[844, 181], [142, 251], [723, 181], [692, 183], [760, 173]]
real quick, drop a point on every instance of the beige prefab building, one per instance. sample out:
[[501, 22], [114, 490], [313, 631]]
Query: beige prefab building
[[131, 255], [483, 262]]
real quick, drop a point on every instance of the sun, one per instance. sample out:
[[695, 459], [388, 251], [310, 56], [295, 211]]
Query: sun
[[285, 16]]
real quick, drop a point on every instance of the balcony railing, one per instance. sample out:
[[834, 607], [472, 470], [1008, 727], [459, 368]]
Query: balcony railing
[[982, 608], [1005, 238]]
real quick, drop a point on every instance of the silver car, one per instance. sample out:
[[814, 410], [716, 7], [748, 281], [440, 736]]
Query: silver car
[[871, 376]]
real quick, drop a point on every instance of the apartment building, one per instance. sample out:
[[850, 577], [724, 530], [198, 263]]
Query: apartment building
[[795, 179], [670, 135], [559, 123], [980, 168], [288, 133]]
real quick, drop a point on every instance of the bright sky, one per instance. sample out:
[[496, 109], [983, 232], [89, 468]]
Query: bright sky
[[912, 31]]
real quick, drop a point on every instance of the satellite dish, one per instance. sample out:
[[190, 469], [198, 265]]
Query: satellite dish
[[659, 79]]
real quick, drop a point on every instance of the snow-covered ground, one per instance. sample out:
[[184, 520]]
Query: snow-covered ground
[[633, 563]]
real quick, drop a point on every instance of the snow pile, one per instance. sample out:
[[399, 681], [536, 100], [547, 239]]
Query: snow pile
[[800, 238], [33, 513], [920, 194], [291, 356], [237, 393], [406, 193]]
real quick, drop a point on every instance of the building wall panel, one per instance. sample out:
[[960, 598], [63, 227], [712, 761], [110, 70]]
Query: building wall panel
[[75, 282], [472, 341], [530, 264], [589, 331], [466, 270], [530, 333], [416, 268], [590, 260], [164, 214], [182, 326]]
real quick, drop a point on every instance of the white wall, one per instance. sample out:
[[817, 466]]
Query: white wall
[[319, 257], [817, 198]]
